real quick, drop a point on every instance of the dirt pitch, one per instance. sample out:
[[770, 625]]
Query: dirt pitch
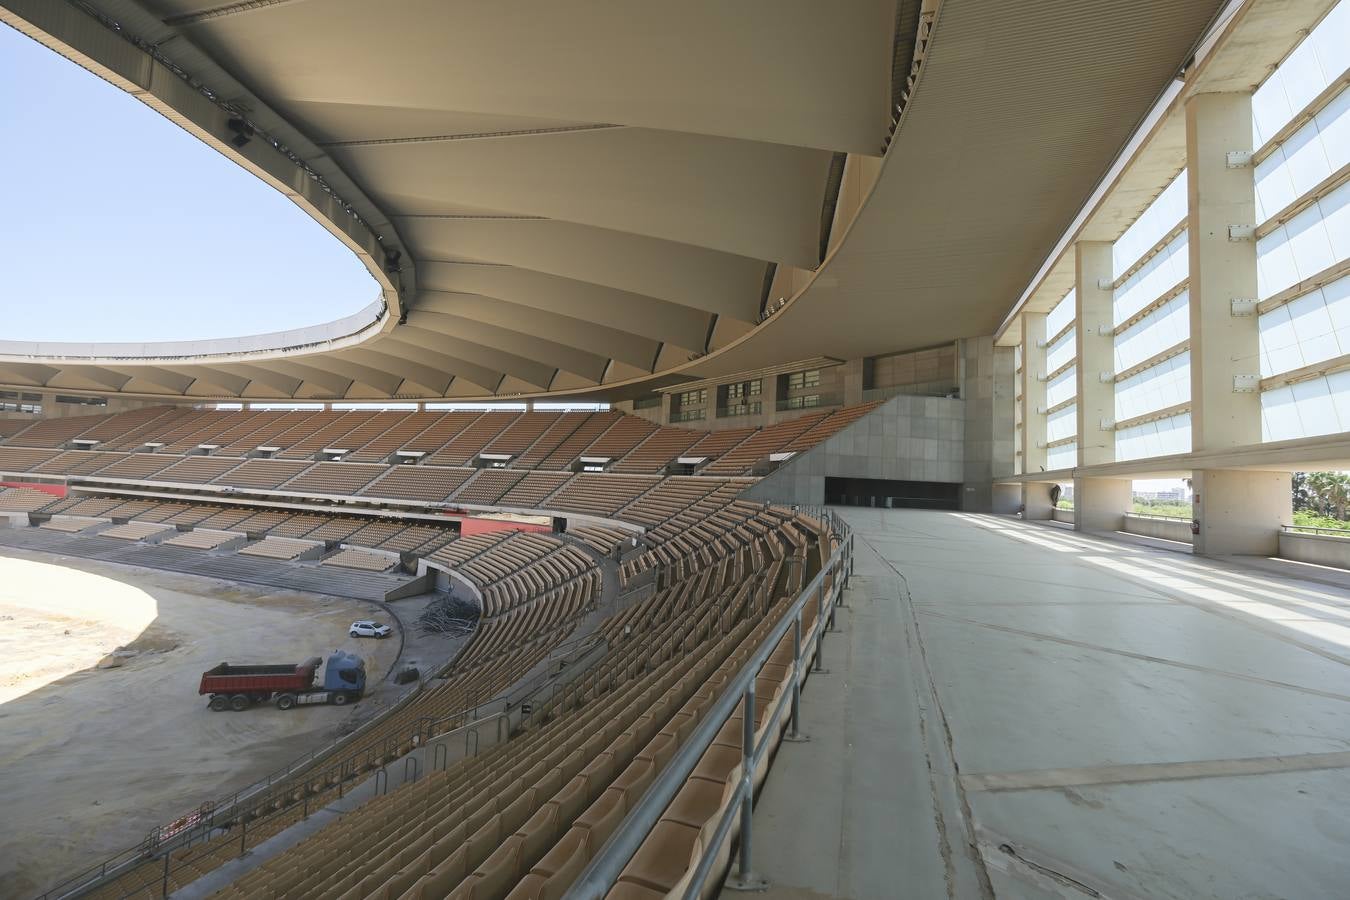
[[92, 759]]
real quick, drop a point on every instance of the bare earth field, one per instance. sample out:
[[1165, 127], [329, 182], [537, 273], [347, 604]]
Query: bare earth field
[[92, 759]]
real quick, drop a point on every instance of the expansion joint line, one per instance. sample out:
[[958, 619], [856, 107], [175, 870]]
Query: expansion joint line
[[930, 686]]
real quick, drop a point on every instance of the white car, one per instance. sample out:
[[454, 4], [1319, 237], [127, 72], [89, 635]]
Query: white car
[[369, 628]]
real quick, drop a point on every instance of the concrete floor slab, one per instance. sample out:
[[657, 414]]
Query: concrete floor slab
[[1098, 718], [1274, 835]]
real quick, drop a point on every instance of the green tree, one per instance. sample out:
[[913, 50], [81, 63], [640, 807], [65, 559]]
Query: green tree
[[1329, 493]]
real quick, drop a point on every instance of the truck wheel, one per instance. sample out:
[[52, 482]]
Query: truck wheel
[[285, 701], [219, 703], [340, 698], [239, 703]]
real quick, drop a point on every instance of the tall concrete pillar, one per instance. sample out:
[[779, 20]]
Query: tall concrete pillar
[[1004, 457], [1100, 504], [768, 401], [1225, 368], [664, 418], [1036, 500], [1096, 353], [986, 384], [851, 382], [1033, 393], [1241, 511], [1235, 511], [1035, 495]]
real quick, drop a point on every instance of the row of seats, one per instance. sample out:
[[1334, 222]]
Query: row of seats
[[600, 494], [602, 539], [433, 484], [276, 548], [502, 650], [199, 539], [397, 535], [656, 452], [23, 499], [522, 819], [364, 560], [544, 440]]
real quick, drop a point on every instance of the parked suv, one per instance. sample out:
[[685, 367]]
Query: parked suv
[[369, 628]]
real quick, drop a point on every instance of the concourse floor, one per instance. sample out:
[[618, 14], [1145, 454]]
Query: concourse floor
[[1015, 710]]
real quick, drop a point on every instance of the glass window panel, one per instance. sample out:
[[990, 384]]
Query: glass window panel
[[1308, 243], [1161, 438], [1061, 315], [1166, 384], [1160, 217], [1308, 157], [1312, 328], [1064, 456], [1060, 352], [1303, 75], [1316, 411], [1062, 387], [1157, 276], [1279, 415], [1165, 327], [1278, 342], [1062, 423]]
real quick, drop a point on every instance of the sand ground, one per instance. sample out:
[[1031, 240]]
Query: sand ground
[[92, 759]]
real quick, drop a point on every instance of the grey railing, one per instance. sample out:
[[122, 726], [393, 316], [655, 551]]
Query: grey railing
[[1312, 529], [1139, 515], [605, 868]]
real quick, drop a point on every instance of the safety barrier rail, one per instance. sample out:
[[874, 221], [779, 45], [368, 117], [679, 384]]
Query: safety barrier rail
[[606, 867], [313, 774], [1311, 529]]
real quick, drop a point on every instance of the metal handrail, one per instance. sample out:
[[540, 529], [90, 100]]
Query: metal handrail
[[1139, 515], [606, 866], [1313, 529], [260, 794]]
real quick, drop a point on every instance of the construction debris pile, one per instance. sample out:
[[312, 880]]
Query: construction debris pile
[[448, 614]]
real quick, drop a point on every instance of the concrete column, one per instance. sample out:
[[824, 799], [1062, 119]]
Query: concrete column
[[1100, 504], [1033, 393], [768, 401], [975, 376], [1222, 196], [851, 382], [1004, 459], [1036, 500], [986, 384], [1096, 353], [1240, 511], [664, 418]]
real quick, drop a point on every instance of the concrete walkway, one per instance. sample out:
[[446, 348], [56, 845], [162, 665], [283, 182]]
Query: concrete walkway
[[1098, 718]]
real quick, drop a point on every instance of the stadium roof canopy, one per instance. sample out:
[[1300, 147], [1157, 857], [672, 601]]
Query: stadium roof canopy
[[608, 198]]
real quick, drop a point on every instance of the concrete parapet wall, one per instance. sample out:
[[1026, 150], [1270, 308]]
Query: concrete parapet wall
[[1062, 515], [1322, 549], [1167, 529]]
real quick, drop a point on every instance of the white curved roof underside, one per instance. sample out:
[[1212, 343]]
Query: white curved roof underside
[[588, 197]]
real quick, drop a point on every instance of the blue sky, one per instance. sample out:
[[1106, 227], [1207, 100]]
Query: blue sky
[[117, 225]]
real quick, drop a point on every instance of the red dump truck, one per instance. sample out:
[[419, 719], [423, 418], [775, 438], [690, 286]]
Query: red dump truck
[[291, 684]]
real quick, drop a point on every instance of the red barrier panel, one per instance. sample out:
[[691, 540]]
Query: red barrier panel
[[469, 526], [56, 490]]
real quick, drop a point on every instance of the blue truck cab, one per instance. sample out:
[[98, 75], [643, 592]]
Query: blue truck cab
[[345, 672]]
